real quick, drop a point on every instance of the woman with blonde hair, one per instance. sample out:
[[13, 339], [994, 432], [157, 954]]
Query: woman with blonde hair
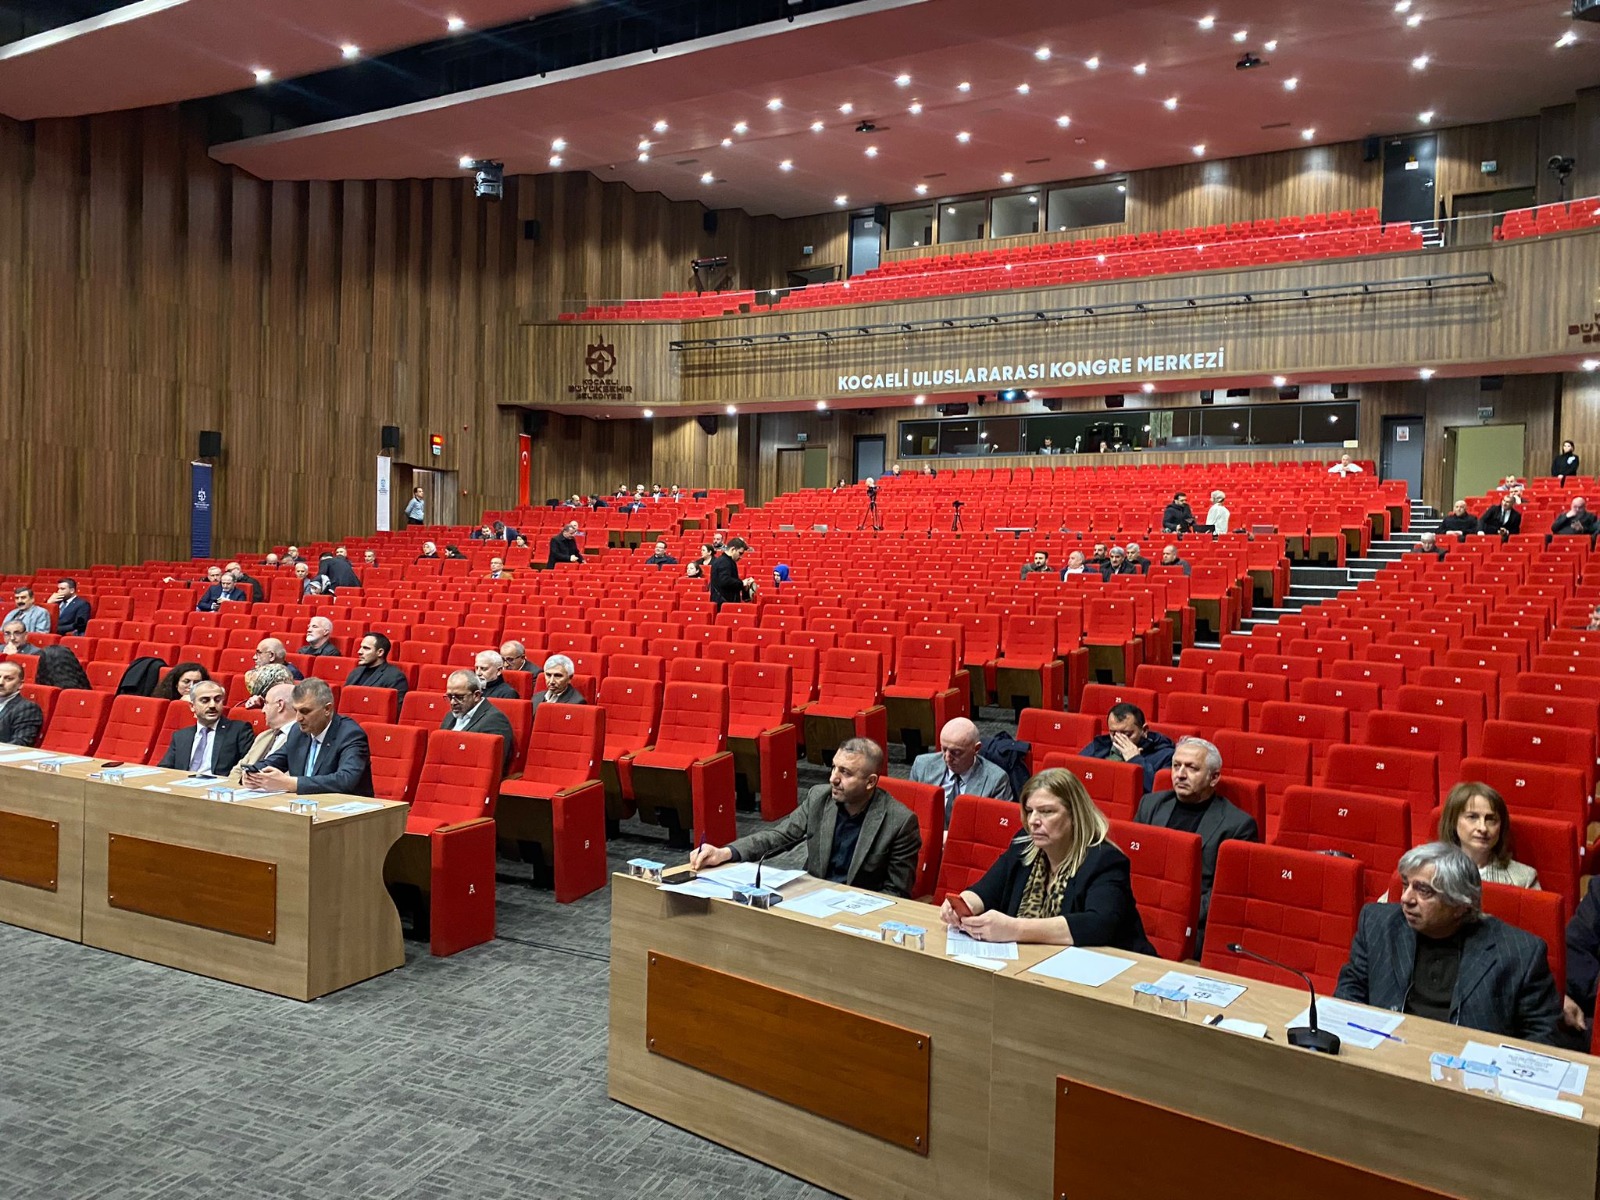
[[1060, 883], [1476, 819]]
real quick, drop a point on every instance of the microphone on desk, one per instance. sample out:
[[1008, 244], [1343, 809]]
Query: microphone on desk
[[1309, 1038]]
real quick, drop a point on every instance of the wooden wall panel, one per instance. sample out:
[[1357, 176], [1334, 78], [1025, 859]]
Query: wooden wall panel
[[1580, 418], [686, 455]]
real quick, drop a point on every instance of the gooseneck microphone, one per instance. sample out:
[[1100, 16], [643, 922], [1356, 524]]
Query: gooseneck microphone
[[1311, 1037]]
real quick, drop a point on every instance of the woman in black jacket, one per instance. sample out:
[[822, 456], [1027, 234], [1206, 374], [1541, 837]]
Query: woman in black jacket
[[1060, 883]]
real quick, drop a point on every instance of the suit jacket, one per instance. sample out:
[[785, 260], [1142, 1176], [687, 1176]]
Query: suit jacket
[[72, 618], [1491, 521], [1504, 986], [21, 722], [230, 742], [984, 779], [256, 592], [1566, 524], [500, 690], [726, 586], [1583, 951], [344, 764], [486, 718], [571, 696], [258, 751], [339, 572], [1223, 821], [1157, 754], [215, 595], [1097, 901], [326, 650], [563, 549], [383, 675], [1450, 523], [886, 850]]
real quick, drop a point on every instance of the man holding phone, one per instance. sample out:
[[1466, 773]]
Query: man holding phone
[[325, 752]]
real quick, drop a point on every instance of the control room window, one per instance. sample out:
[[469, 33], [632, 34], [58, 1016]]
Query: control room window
[[911, 227], [962, 221], [1086, 204], [1014, 216]]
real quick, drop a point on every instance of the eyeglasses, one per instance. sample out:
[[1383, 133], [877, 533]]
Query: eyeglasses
[[459, 695], [1422, 891]]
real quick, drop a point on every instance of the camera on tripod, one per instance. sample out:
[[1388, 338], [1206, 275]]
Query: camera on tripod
[[957, 503]]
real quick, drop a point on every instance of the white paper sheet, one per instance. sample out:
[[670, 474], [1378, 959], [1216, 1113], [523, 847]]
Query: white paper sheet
[[200, 781], [136, 772], [966, 946], [17, 755], [1336, 1016], [709, 889], [872, 935], [744, 875], [1541, 1098], [988, 964], [351, 807], [156, 787], [1200, 990], [1528, 1068], [1076, 965], [64, 760], [1233, 1025], [831, 902]]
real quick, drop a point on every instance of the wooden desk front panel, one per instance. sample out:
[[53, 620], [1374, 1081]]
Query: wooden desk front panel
[[32, 796]]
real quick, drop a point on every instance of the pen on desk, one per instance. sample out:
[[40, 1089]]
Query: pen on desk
[[1376, 1033]]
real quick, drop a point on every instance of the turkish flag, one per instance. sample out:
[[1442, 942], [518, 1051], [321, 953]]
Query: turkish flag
[[524, 466]]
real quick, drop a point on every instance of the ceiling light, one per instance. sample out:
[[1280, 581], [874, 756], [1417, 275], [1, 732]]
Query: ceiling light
[[644, 143], [455, 24], [816, 127], [1023, 89], [871, 152], [1042, 53], [1279, 380], [963, 137], [847, 108], [1170, 104], [1140, 68], [1403, 6], [1590, 364], [741, 128], [262, 74], [1241, 34], [916, 108], [922, 189], [1566, 39], [1122, 187], [1099, 164], [1271, 46], [774, 104], [902, 80], [350, 51], [1006, 177], [1033, 199], [1092, 63], [1414, 20], [841, 201], [708, 177], [1426, 373], [822, 406], [919, 399], [644, 156], [1147, 388], [1064, 121], [555, 160], [466, 162], [1291, 83], [726, 142], [559, 145], [963, 86], [786, 165], [1308, 134], [951, 209], [1419, 63], [1200, 150], [731, 411], [1207, 22], [660, 126], [1426, 118]]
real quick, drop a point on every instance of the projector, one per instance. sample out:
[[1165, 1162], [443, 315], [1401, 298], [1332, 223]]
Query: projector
[[1586, 10], [1249, 62]]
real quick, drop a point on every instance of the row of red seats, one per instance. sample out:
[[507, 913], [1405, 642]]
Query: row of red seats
[[1549, 218]]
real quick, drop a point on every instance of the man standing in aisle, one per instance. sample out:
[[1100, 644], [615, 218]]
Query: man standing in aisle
[[726, 586], [415, 509]]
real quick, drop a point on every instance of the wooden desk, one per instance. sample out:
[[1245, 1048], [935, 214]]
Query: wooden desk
[[1001, 1043], [41, 851]]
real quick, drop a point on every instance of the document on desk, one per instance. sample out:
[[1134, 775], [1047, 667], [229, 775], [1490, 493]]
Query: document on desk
[[1202, 990], [135, 772], [199, 781], [1076, 965], [16, 754], [963, 945], [831, 902], [351, 807], [744, 875], [703, 886], [1530, 1069], [1337, 1017]]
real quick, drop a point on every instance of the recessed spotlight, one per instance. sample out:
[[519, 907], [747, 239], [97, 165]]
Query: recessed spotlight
[[1092, 63], [1307, 134], [466, 162], [644, 143], [1291, 83], [1170, 104], [1099, 164], [648, 413], [262, 74], [963, 86], [1414, 20], [774, 104], [871, 152], [902, 80], [1033, 199], [1140, 68], [455, 24], [1200, 150], [1426, 373], [919, 399], [1006, 177], [741, 128], [847, 108], [1023, 89], [1279, 380], [1419, 63], [916, 108], [731, 411], [951, 209], [726, 142], [1208, 22], [822, 406], [350, 51], [1403, 6], [555, 160], [1122, 187], [1426, 117], [1147, 388], [786, 165], [841, 201], [1566, 39], [1042, 53], [1064, 121], [708, 177], [1269, 47], [559, 145], [660, 127], [1240, 35], [817, 127], [922, 189], [1590, 364], [963, 137], [644, 156]]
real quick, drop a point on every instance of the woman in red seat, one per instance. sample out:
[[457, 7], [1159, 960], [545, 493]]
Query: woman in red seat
[[1476, 819]]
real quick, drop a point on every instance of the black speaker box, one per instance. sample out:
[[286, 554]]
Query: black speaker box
[[1371, 150], [530, 231], [709, 424], [1341, 391], [954, 410], [1207, 396], [708, 221], [1114, 401], [534, 421], [1491, 383], [389, 437], [210, 443], [880, 214], [1052, 404]]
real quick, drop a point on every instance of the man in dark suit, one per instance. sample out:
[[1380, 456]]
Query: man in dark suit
[[490, 668], [338, 571], [958, 768], [558, 689], [318, 632], [1437, 955], [726, 586], [214, 743], [1503, 518], [515, 656], [855, 833], [224, 589], [1577, 519], [564, 546], [373, 668], [471, 712], [21, 720], [249, 582], [325, 751], [1193, 806], [72, 610]]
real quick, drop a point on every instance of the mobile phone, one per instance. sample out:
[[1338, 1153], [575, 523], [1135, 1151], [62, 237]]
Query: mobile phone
[[963, 910], [108, 766]]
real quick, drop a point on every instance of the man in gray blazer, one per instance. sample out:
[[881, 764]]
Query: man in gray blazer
[[1193, 806], [1435, 954], [855, 833], [471, 712], [957, 767]]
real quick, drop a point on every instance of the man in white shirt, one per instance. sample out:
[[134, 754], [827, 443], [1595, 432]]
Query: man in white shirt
[[1345, 467], [1075, 564], [278, 708], [1218, 515]]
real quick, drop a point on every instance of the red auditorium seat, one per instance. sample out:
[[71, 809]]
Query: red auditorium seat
[[633, 709], [685, 779], [1166, 878], [1373, 829], [1277, 762], [1048, 732], [425, 710], [1467, 704], [1539, 789], [1029, 672], [397, 753], [1552, 745], [370, 704], [762, 735], [559, 804], [1550, 847], [132, 723], [1356, 697], [1111, 637], [1296, 906], [926, 800], [1205, 713], [929, 690], [75, 724], [980, 831], [1321, 725], [849, 704], [1254, 690], [1098, 699], [1444, 736], [1248, 795], [1409, 775], [1116, 787]]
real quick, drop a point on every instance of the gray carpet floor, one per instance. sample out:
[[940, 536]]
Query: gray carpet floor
[[478, 1076]]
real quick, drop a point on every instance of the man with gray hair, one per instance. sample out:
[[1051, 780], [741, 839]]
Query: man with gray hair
[[490, 667], [318, 632], [958, 768], [325, 752], [471, 712], [515, 655], [277, 706], [558, 689], [1437, 955], [16, 639], [271, 651], [1117, 563], [1193, 805]]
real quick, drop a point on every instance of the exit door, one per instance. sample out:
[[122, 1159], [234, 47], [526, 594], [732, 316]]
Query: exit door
[[1408, 179], [869, 456], [1401, 453], [866, 244]]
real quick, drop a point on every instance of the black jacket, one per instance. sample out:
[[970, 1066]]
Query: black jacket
[[563, 549], [72, 618], [726, 586], [1565, 523], [1464, 524], [486, 718], [1177, 518], [1097, 902], [1157, 754], [384, 675], [1223, 821], [326, 650], [21, 722], [1498, 520], [344, 764], [1564, 464]]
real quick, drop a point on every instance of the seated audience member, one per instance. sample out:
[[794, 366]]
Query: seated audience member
[[369, 558], [1509, 484], [258, 681], [1594, 618], [1345, 467], [1130, 740], [564, 545], [213, 575], [429, 550], [325, 752], [700, 568], [72, 610], [838, 487], [1049, 447], [21, 720], [471, 712], [1137, 560], [1178, 517], [1458, 520], [558, 689], [277, 706], [927, 469], [1040, 565], [247, 582], [1193, 805], [497, 569], [1436, 954], [1117, 564], [318, 632], [504, 532], [855, 833], [215, 742], [1169, 558], [291, 556], [1565, 463], [574, 501], [451, 551], [484, 533], [178, 682], [272, 652], [35, 618], [16, 640], [271, 562], [515, 656], [373, 668], [1577, 519], [59, 668], [1583, 964], [661, 558], [1476, 820], [336, 569], [1060, 882], [223, 590], [1076, 565], [726, 586], [958, 766], [520, 542], [1099, 558], [1502, 519], [780, 575], [1428, 543], [311, 585], [718, 543], [1218, 516], [489, 667]]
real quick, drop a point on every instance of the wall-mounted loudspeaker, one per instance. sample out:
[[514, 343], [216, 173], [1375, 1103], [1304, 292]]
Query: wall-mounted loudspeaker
[[954, 410], [389, 437], [530, 231], [1207, 396], [708, 424], [880, 214], [534, 421], [1292, 392], [1114, 401], [1052, 404], [1491, 383], [708, 222], [1371, 150], [1341, 391], [210, 443]]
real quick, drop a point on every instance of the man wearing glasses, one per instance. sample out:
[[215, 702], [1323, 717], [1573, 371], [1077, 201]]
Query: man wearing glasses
[[471, 712]]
